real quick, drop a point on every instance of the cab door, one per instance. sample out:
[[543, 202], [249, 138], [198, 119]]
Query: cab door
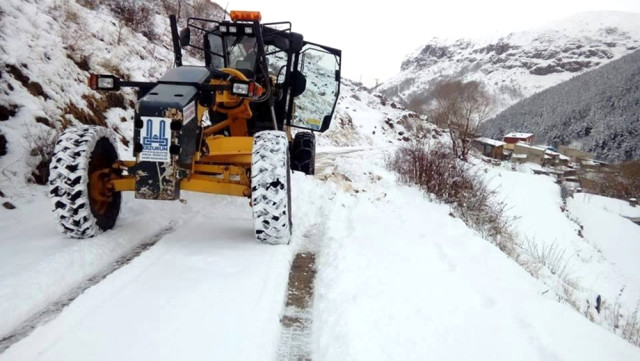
[[320, 67]]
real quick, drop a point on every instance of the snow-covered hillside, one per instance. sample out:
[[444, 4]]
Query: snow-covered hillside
[[47, 50], [366, 118], [585, 246], [517, 65], [399, 277], [597, 112]]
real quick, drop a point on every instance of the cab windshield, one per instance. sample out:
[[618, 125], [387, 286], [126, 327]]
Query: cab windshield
[[241, 51]]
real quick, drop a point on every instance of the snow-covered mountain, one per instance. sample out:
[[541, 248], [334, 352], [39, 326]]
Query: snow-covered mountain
[[519, 64], [597, 112]]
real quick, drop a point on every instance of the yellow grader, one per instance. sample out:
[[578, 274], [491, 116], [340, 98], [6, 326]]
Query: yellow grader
[[222, 128]]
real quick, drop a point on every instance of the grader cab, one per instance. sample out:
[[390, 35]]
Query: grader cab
[[225, 127]]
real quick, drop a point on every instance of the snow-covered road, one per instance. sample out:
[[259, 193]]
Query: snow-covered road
[[202, 292], [205, 290], [398, 279]]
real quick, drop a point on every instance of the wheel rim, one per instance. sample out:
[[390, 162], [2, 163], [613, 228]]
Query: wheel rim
[[100, 190]]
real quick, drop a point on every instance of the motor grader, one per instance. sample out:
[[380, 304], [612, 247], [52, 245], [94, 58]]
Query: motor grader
[[223, 128]]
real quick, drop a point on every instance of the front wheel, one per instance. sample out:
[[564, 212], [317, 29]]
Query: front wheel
[[271, 187], [79, 181]]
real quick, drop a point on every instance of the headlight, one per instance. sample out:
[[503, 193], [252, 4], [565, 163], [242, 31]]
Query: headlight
[[240, 89], [106, 83], [103, 82]]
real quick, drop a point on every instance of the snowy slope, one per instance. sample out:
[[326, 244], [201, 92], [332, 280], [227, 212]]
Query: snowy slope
[[582, 249], [517, 65], [399, 279], [47, 50], [367, 118], [616, 238]]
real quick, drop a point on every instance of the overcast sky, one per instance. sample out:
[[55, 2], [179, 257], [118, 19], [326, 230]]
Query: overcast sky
[[375, 38]]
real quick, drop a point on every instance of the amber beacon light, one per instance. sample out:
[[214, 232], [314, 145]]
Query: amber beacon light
[[239, 15]]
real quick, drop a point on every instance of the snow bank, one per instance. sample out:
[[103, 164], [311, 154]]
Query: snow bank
[[400, 279]]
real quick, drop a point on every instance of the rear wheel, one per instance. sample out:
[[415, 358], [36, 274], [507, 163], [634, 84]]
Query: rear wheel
[[303, 153], [271, 187], [79, 182]]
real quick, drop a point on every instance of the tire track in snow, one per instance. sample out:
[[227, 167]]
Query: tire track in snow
[[50, 312], [295, 338], [296, 319]]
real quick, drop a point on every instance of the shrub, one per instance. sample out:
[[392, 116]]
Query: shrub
[[42, 143], [437, 171], [89, 4], [631, 329], [137, 15], [94, 112], [550, 256], [434, 170], [617, 181]]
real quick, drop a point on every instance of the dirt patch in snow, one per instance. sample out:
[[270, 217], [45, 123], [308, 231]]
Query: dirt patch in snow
[[296, 320], [7, 112], [32, 86], [301, 277]]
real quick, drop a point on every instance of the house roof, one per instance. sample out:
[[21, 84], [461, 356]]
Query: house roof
[[525, 145], [519, 135], [493, 142]]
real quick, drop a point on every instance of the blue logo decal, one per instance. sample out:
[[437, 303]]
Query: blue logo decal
[[158, 139]]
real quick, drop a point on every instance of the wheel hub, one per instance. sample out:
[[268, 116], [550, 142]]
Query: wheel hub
[[101, 190]]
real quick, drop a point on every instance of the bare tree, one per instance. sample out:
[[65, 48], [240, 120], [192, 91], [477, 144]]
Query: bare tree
[[136, 15], [172, 7], [461, 107]]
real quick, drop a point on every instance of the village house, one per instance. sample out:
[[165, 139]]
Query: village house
[[576, 155], [489, 147], [512, 138], [555, 159], [523, 152]]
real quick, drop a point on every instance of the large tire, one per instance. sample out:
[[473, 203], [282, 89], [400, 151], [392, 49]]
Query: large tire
[[271, 187], [303, 153], [80, 152]]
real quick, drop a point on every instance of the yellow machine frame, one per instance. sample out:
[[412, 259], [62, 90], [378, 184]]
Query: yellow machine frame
[[224, 168]]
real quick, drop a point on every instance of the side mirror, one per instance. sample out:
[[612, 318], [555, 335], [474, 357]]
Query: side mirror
[[297, 42], [299, 83], [277, 41], [185, 36]]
